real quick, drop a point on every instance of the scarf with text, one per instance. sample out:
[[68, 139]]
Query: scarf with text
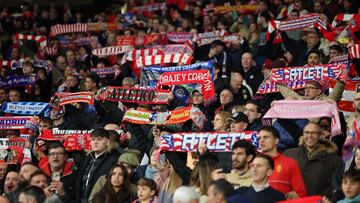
[[77, 97], [202, 77], [290, 109], [13, 151], [25, 108], [306, 21], [215, 142], [174, 48], [348, 96], [304, 73], [103, 71], [14, 64], [13, 122], [226, 39], [177, 116], [40, 39], [73, 140], [163, 59], [151, 74], [149, 8], [243, 9], [137, 40], [270, 87], [139, 95], [15, 81], [179, 37], [112, 50]]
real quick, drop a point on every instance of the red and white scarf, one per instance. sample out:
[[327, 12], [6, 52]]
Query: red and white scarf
[[68, 28], [343, 17], [149, 8], [136, 53], [318, 72], [354, 51], [271, 87], [77, 97], [348, 96], [38, 38], [108, 51], [163, 59], [306, 21]]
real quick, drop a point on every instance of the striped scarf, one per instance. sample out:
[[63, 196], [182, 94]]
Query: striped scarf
[[149, 8], [306, 21], [163, 59], [136, 53], [14, 122], [77, 97], [354, 51], [38, 38], [112, 50], [318, 72], [68, 28], [270, 87]]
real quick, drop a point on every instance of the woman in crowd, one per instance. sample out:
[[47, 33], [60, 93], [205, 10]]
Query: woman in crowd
[[201, 177], [117, 187]]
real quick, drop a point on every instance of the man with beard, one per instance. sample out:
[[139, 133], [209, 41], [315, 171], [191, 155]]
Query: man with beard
[[26, 170], [243, 153]]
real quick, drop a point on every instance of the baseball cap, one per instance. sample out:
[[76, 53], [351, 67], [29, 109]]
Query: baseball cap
[[239, 117]]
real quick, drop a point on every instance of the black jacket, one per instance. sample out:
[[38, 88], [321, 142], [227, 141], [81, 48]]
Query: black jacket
[[101, 166]]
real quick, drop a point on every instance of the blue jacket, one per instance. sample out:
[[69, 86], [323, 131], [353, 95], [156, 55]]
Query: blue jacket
[[354, 200]]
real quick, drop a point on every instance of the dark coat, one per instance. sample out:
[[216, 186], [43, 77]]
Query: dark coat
[[321, 169], [106, 161], [253, 77]]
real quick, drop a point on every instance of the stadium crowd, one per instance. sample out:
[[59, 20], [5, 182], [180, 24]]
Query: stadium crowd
[[181, 101]]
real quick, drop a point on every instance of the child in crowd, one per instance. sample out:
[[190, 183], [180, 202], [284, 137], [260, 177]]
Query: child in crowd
[[351, 186], [146, 191]]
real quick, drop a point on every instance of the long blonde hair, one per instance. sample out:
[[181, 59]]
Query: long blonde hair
[[172, 182], [201, 175]]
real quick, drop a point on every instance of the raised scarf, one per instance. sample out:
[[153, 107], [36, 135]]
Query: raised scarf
[[13, 122], [163, 59], [271, 87], [112, 50], [77, 97], [139, 95], [25, 108], [292, 109], [202, 77], [304, 73], [218, 142], [37, 38]]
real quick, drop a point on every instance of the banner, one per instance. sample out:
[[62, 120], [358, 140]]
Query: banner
[[271, 87], [13, 122], [194, 76], [304, 73], [218, 142], [138, 95], [151, 74], [73, 140], [291, 109], [113, 50], [13, 151], [163, 59], [25, 108], [351, 88], [14, 64], [177, 116], [38, 38], [15, 81], [77, 97]]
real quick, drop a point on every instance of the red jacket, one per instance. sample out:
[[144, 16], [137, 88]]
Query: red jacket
[[44, 165], [286, 176]]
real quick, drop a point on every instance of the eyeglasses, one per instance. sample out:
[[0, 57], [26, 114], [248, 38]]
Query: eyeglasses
[[56, 154]]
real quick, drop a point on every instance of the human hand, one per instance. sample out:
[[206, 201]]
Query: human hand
[[292, 195], [217, 174]]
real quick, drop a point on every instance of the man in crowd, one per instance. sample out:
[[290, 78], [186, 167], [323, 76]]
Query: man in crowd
[[260, 190], [286, 176], [252, 75], [319, 163], [243, 152], [253, 112]]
